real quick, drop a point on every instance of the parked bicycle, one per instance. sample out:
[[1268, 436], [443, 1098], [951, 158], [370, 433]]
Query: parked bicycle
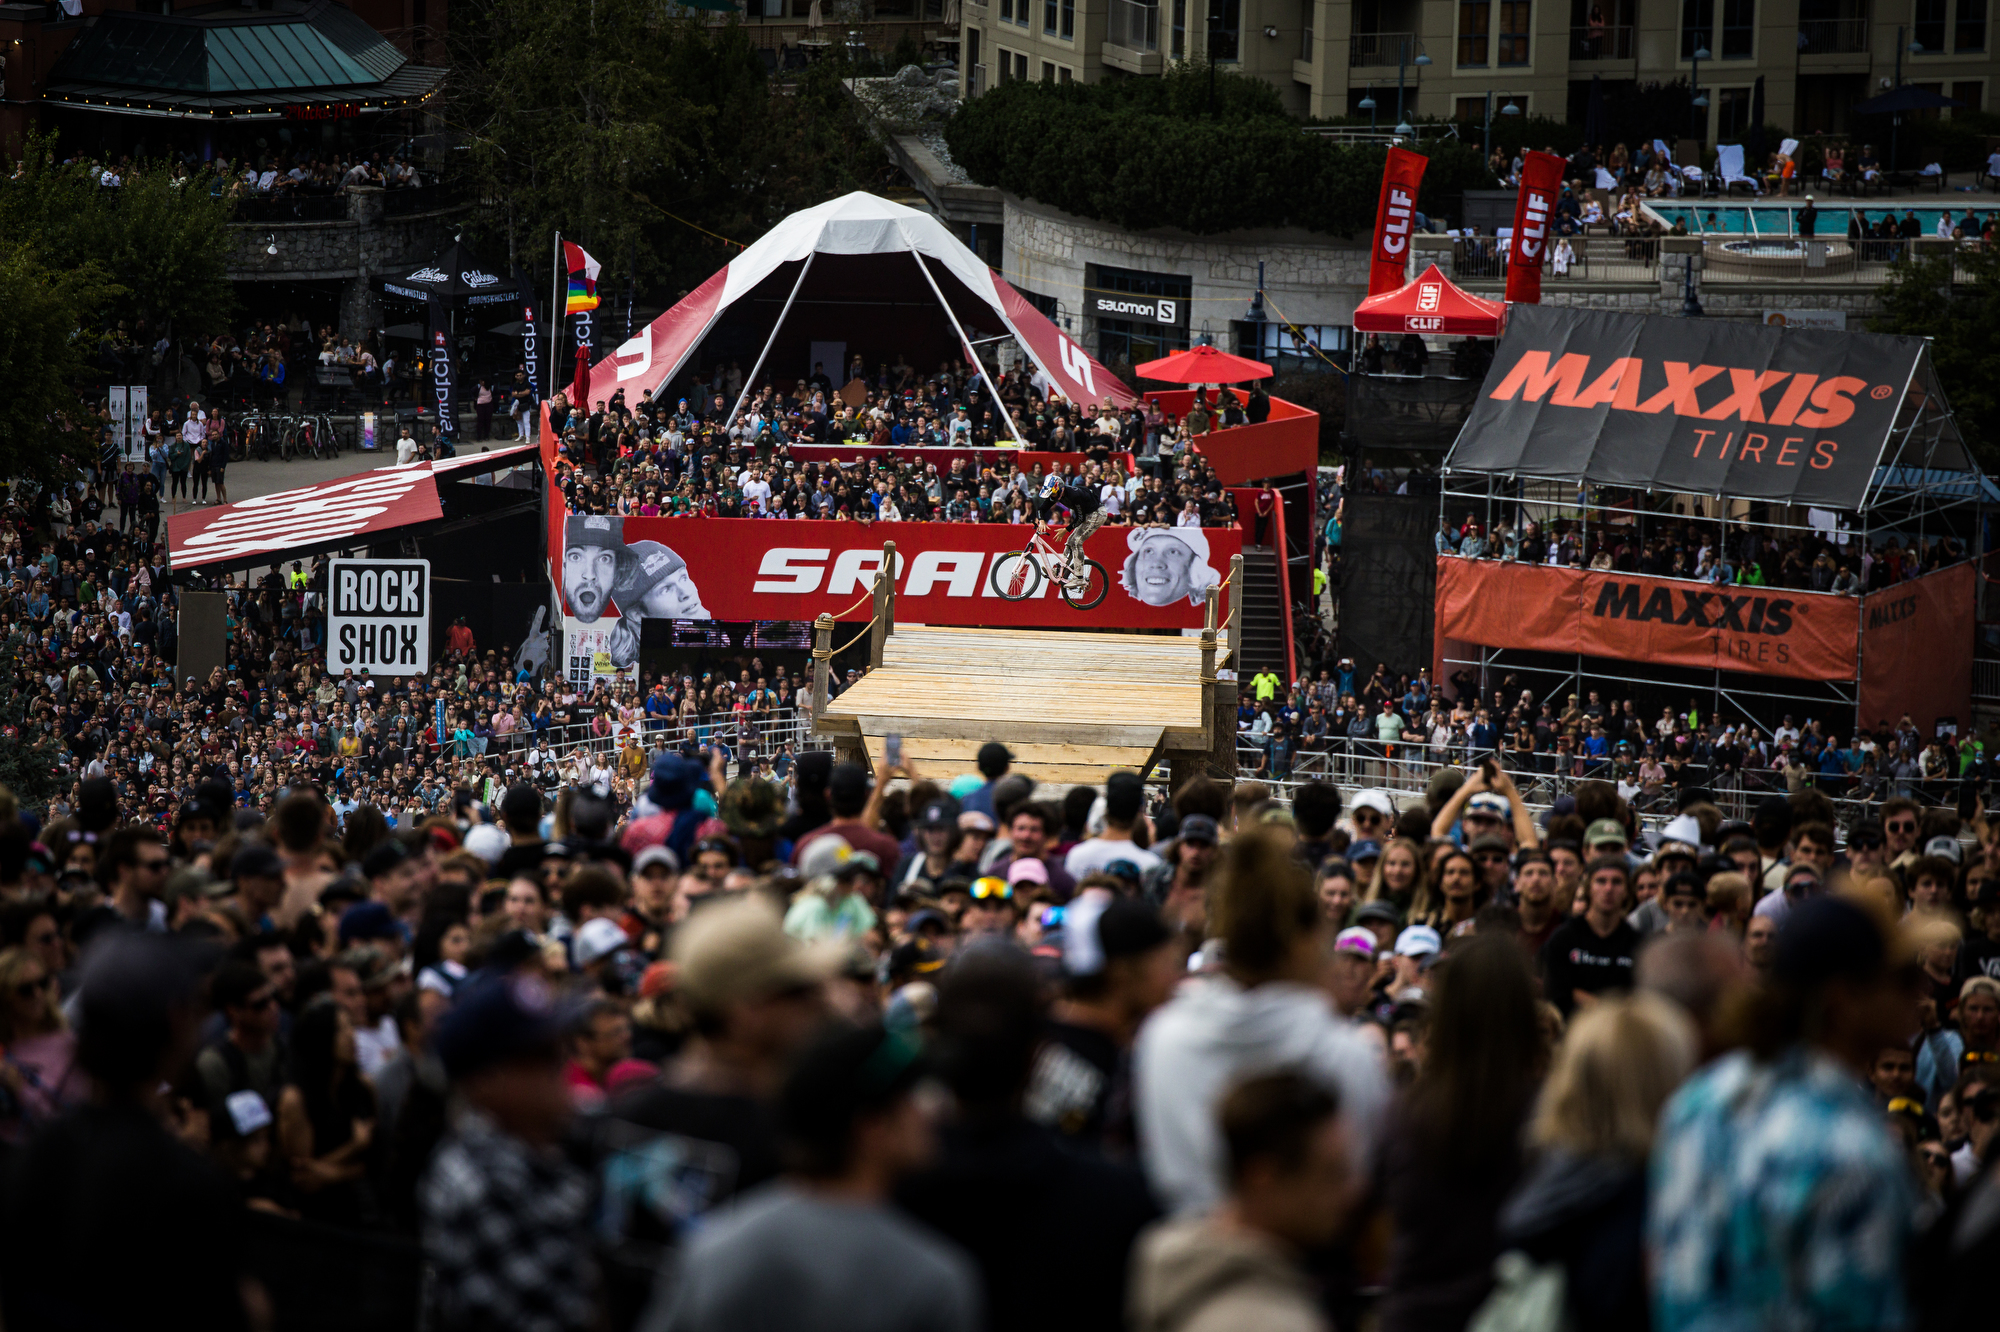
[[1018, 575]]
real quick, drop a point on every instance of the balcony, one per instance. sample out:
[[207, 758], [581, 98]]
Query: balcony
[[1600, 43], [1841, 36], [1132, 37], [1370, 49]]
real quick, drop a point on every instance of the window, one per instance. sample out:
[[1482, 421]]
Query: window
[[1069, 19], [1474, 20], [1970, 91], [1179, 51], [1021, 67], [1006, 11], [1049, 16], [975, 73], [1928, 112], [1928, 31], [1064, 74], [1971, 31], [1225, 25], [1732, 114], [1472, 110], [1514, 15], [1048, 72], [1739, 29], [1697, 26]]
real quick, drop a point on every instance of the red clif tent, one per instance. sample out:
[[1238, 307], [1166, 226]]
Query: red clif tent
[[1431, 304]]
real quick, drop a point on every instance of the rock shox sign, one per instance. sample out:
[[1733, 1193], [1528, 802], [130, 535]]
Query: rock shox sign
[[378, 616], [1695, 406]]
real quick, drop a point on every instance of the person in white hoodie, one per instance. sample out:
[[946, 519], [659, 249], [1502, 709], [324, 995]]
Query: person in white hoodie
[[1262, 1013]]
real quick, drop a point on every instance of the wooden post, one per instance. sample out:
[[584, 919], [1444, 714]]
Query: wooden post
[[885, 605], [1235, 626], [822, 666]]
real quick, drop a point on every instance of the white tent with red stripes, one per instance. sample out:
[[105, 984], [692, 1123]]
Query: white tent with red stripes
[[862, 274]]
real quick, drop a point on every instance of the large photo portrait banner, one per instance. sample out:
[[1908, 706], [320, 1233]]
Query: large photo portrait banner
[[615, 572]]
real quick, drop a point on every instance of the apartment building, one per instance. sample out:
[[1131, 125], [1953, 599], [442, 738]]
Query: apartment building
[[1817, 57]]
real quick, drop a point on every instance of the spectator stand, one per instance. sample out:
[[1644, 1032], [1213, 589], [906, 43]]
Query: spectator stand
[[1826, 574]]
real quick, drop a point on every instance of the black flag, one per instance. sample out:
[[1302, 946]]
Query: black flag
[[531, 338], [441, 376]]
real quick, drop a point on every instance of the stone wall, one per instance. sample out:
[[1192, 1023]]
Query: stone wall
[[356, 250], [1309, 279]]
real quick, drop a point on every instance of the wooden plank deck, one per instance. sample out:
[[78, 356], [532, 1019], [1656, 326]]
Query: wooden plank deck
[[1080, 704]]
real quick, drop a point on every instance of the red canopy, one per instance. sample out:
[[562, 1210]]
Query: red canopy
[[1431, 304], [1203, 365]]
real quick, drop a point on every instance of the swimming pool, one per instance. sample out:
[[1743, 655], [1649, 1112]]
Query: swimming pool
[[1779, 219]]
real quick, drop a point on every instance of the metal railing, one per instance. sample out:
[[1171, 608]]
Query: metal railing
[[1985, 678], [1405, 770], [1833, 260], [1601, 43], [748, 737], [1134, 25], [411, 200], [1382, 48], [1839, 36], [1571, 259]]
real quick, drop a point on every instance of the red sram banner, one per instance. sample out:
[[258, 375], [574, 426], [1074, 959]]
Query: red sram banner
[[739, 569], [1395, 219], [1534, 207]]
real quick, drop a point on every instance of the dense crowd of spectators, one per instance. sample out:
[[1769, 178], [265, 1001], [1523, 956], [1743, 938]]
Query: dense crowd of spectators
[[954, 1051], [1666, 546], [695, 459]]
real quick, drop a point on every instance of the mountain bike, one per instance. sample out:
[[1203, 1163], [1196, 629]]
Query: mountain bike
[[1018, 574]]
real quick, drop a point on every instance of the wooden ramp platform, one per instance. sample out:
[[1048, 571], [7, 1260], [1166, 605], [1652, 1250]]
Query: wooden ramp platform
[[1071, 706]]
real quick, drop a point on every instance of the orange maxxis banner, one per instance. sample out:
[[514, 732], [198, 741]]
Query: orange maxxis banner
[[1916, 649], [1765, 631]]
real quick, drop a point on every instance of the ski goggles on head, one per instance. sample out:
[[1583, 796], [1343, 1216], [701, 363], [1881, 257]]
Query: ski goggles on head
[[991, 887]]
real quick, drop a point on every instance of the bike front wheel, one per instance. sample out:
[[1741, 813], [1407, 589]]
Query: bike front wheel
[[1096, 586], [1017, 575]]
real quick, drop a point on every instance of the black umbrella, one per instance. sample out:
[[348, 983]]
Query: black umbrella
[[454, 277], [1909, 97], [1756, 163]]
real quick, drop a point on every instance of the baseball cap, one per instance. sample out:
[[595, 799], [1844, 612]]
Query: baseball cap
[[1486, 805], [1027, 869], [1945, 848], [858, 862], [368, 920], [488, 841], [1488, 842], [824, 855], [1605, 830], [1198, 828], [994, 758], [937, 814], [1825, 938], [1357, 940], [1418, 941], [1098, 928], [973, 821], [739, 950], [656, 855], [1364, 851], [257, 861], [1386, 912], [498, 1019], [1377, 801], [598, 938]]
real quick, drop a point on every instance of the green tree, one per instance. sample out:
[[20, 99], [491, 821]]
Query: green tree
[[1141, 153], [659, 143], [164, 242], [1961, 317], [45, 311]]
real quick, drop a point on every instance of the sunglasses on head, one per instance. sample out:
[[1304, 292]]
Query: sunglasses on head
[[990, 887]]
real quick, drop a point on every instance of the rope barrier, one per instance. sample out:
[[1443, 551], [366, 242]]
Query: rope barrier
[[828, 654]]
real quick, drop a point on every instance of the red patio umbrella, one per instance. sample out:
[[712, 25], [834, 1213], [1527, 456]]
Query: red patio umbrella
[[1203, 365]]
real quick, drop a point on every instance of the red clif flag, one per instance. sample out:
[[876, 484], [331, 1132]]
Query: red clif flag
[[1395, 219], [1534, 207]]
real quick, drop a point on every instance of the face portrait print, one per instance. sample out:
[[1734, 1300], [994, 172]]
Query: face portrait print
[[1166, 564], [591, 548]]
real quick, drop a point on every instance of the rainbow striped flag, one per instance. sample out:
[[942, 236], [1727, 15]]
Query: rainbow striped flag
[[583, 272]]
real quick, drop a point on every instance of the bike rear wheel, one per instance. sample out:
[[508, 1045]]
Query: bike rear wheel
[[1096, 586], [1017, 575]]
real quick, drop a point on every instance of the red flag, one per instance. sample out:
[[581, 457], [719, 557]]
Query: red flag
[[579, 391], [1534, 206], [1395, 219]]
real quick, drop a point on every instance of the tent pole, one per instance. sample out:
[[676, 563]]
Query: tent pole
[[750, 380], [1005, 416], [557, 319]]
